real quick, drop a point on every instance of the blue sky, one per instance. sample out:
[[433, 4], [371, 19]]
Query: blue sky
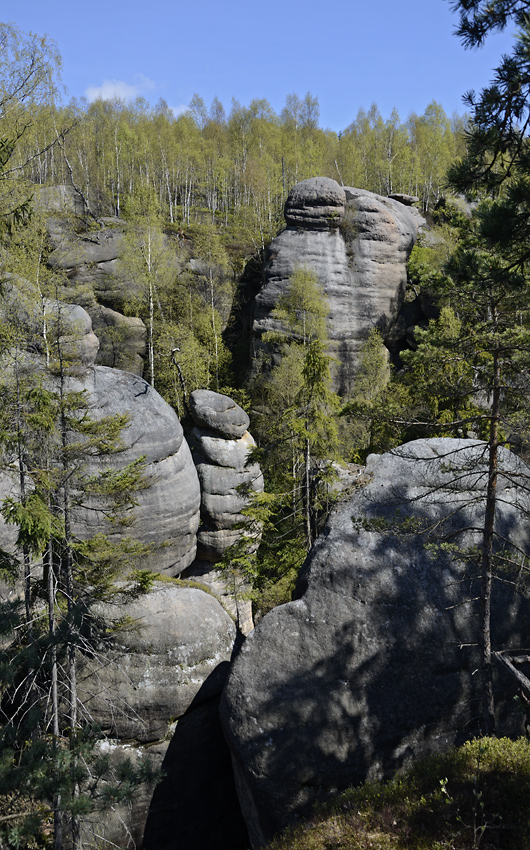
[[349, 53]]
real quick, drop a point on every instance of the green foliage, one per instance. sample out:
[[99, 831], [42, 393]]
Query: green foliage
[[301, 310], [295, 422], [475, 796], [361, 435], [48, 439]]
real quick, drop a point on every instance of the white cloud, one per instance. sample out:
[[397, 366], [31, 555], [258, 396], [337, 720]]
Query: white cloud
[[110, 89], [179, 110]]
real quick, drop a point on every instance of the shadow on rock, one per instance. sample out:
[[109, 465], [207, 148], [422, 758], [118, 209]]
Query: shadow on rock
[[195, 804]]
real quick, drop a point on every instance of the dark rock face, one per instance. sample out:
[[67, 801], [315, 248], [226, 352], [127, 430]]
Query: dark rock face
[[167, 514], [372, 666], [195, 806], [357, 244]]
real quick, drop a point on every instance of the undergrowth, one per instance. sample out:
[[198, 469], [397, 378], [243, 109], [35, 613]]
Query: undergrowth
[[474, 798]]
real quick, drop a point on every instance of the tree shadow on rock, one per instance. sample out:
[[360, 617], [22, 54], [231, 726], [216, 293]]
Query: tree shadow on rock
[[372, 667]]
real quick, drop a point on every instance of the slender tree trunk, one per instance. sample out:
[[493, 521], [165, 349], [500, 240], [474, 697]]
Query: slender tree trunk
[[307, 489], [22, 485], [68, 571], [488, 708], [214, 331], [151, 340], [54, 699]]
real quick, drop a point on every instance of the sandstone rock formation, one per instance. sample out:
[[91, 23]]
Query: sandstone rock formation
[[155, 696], [47, 322], [178, 644], [90, 262], [219, 413], [372, 666], [221, 445], [122, 339], [357, 243], [61, 199], [167, 513]]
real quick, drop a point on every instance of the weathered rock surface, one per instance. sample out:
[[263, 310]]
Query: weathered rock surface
[[90, 261], [221, 446], [315, 204], [219, 413], [372, 666], [167, 513], [121, 338], [48, 322], [156, 696], [357, 243], [180, 644], [58, 199]]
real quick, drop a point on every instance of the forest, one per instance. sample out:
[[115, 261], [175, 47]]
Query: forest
[[208, 187]]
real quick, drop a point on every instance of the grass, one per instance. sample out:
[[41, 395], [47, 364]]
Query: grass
[[475, 798]]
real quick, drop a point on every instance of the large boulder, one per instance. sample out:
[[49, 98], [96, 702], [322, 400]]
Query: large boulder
[[154, 692], [315, 204], [167, 511], [219, 413], [373, 665], [357, 244], [166, 516], [178, 644]]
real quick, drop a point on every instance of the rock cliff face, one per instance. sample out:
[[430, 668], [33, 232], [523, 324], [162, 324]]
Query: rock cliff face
[[90, 262], [371, 667], [357, 244]]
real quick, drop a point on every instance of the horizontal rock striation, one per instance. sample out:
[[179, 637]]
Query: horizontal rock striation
[[357, 244], [221, 447], [179, 644], [166, 517], [155, 693]]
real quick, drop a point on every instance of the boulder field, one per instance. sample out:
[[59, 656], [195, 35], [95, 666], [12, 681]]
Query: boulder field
[[372, 666]]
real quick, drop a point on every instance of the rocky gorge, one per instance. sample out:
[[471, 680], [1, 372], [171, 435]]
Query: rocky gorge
[[369, 667]]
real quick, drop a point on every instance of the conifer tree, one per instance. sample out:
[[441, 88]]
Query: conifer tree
[[295, 423], [50, 438]]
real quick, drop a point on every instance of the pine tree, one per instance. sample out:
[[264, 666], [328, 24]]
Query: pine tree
[[50, 439]]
